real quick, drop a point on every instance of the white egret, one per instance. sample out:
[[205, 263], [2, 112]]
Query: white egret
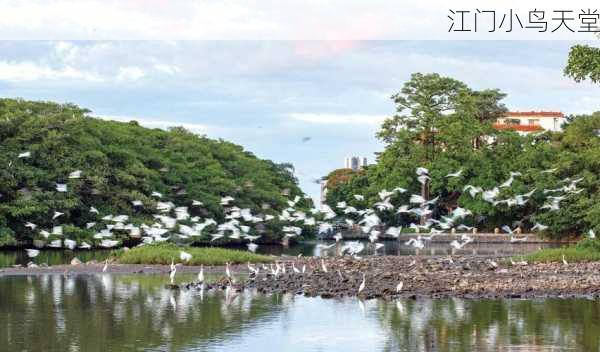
[[362, 284], [323, 266], [185, 256], [455, 174], [201, 274], [32, 253], [75, 174]]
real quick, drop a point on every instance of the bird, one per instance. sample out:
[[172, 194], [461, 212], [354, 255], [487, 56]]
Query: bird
[[105, 267], [564, 260], [201, 274], [227, 271], [455, 174], [172, 273], [56, 215], [75, 174], [539, 227], [399, 286], [32, 253], [185, 256], [296, 270], [362, 284], [24, 155], [591, 234], [323, 266]]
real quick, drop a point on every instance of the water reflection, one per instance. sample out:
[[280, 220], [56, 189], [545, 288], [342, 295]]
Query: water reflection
[[50, 257], [135, 313]]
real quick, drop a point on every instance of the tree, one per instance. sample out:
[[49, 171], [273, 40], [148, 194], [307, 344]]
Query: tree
[[583, 63], [121, 162], [464, 139]]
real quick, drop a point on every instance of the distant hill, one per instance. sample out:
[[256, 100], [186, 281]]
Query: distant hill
[[120, 163]]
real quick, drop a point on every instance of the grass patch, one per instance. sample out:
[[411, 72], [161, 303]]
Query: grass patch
[[572, 255], [164, 253]]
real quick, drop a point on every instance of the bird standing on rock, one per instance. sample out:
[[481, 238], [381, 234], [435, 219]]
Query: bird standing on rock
[[201, 274], [323, 265], [362, 284], [172, 273]]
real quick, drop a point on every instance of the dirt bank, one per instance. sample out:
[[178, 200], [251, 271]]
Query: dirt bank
[[456, 276]]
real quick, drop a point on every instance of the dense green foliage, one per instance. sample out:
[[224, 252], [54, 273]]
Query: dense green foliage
[[585, 251], [584, 63], [444, 126], [120, 163], [164, 253]]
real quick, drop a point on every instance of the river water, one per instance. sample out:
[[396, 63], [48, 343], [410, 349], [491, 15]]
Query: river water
[[105, 312], [119, 312]]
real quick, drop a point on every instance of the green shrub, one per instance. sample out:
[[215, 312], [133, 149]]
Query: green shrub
[[164, 253]]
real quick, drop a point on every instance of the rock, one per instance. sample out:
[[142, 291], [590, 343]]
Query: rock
[[75, 261]]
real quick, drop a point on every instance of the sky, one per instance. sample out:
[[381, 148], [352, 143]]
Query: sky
[[270, 96]]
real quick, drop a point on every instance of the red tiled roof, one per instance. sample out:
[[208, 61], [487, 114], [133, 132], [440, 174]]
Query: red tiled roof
[[534, 114], [522, 128]]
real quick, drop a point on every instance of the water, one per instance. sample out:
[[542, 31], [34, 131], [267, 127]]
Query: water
[[136, 313], [51, 257]]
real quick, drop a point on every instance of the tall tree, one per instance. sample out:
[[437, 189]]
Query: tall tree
[[583, 63]]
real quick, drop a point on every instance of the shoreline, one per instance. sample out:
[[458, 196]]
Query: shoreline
[[483, 237], [433, 277]]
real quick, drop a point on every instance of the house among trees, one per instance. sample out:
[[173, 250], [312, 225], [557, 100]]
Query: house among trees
[[525, 122]]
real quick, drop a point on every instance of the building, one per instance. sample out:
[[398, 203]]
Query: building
[[525, 122], [323, 184], [355, 162]]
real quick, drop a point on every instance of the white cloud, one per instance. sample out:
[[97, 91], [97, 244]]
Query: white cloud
[[157, 123], [130, 73], [32, 71], [166, 68], [325, 118]]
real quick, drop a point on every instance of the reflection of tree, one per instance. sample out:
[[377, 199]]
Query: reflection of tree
[[489, 325], [50, 257], [116, 313]]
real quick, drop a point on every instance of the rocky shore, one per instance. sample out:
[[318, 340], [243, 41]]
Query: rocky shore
[[436, 277], [385, 277]]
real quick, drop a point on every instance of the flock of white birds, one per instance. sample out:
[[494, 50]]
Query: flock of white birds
[[174, 223]]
